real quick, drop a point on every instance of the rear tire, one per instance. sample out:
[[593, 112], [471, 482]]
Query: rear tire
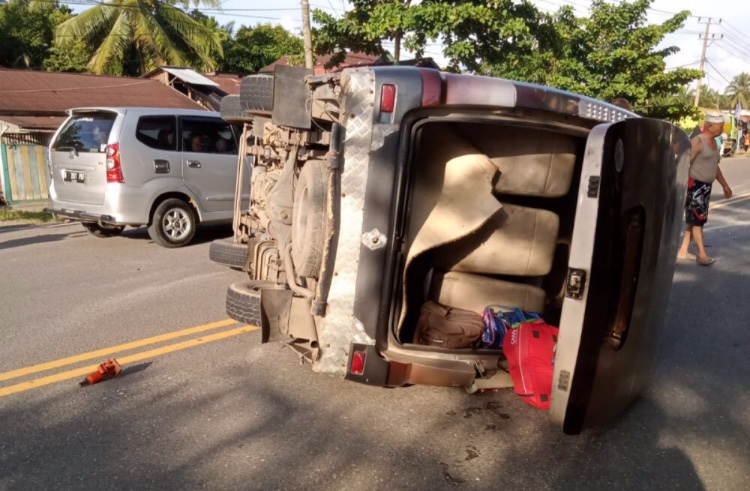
[[232, 112], [103, 231], [173, 223], [256, 93], [228, 253], [243, 300]]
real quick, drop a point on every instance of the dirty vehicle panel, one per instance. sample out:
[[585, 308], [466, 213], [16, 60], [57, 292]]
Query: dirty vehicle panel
[[412, 185]]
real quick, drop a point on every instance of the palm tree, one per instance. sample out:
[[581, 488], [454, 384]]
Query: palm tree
[[144, 33], [739, 90]]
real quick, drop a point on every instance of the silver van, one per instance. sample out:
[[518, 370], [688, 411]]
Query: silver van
[[386, 188], [169, 169]]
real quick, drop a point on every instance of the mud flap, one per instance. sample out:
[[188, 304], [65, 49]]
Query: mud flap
[[285, 317]]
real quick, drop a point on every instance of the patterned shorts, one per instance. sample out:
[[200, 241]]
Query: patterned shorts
[[696, 204]]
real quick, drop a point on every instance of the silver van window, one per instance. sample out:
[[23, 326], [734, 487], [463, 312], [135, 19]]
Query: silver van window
[[203, 135], [157, 132], [86, 132]]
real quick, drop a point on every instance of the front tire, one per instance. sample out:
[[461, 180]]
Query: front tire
[[173, 224], [103, 230]]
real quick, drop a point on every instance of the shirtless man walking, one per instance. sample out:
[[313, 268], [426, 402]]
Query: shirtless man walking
[[704, 169]]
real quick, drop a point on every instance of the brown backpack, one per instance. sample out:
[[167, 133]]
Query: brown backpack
[[448, 327]]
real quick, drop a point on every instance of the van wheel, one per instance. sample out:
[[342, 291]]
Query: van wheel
[[309, 219], [243, 300], [103, 230], [229, 253], [173, 223]]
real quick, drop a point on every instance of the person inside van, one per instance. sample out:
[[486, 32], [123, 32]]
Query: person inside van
[[196, 143]]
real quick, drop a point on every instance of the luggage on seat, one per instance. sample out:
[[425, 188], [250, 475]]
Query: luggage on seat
[[448, 327]]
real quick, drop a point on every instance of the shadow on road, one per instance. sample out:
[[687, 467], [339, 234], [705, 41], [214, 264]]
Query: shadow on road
[[205, 233], [263, 422]]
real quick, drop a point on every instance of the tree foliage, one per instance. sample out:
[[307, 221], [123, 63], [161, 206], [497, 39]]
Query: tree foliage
[[739, 90], [27, 31], [134, 36], [72, 56], [611, 53], [470, 30], [253, 48]]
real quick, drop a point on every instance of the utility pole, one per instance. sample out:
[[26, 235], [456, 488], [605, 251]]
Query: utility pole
[[706, 38], [307, 35]]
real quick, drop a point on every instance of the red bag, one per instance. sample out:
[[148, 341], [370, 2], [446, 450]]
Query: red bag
[[530, 350]]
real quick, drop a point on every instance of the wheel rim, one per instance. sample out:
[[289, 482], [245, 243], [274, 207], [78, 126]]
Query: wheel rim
[[177, 224]]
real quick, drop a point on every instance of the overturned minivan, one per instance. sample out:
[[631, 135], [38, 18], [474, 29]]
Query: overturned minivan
[[377, 189]]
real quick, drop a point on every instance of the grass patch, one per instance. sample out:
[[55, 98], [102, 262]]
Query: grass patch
[[8, 215]]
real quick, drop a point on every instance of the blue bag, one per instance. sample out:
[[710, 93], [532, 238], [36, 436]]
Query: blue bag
[[498, 322]]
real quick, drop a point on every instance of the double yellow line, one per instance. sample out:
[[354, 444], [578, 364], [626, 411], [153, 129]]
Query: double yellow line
[[80, 372]]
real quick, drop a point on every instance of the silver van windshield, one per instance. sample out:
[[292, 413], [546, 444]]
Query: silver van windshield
[[86, 132]]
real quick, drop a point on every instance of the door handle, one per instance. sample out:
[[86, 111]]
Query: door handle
[[194, 164]]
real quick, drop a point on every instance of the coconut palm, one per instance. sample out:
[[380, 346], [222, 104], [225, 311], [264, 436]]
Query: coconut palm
[[739, 90], [148, 33]]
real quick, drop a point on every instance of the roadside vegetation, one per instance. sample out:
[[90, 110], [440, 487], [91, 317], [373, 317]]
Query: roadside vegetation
[[19, 217]]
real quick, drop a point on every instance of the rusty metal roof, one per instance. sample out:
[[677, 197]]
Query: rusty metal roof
[[34, 93], [230, 84], [34, 122]]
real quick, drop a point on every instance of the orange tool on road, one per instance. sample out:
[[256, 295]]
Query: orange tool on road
[[106, 370]]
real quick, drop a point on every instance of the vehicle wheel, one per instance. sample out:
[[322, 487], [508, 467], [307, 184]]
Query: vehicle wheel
[[103, 230], [309, 219], [243, 300], [173, 223], [232, 112], [256, 93], [228, 253]]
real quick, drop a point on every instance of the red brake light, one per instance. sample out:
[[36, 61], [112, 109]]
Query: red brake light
[[387, 98], [114, 170], [358, 362]]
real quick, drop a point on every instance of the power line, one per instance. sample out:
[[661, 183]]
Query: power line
[[718, 72], [736, 51], [730, 26]]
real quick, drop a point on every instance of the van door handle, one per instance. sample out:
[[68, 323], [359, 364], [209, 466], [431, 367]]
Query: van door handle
[[194, 164]]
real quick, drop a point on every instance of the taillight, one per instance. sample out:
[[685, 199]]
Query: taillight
[[358, 362], [114, 169], [387, 98]]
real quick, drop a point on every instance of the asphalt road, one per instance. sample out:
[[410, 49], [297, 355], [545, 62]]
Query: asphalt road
[[234, 414]]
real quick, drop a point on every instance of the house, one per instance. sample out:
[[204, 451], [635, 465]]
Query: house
[[207, 89], [33, 104]]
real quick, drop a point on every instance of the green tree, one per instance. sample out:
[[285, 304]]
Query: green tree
[[252, 48], [739, 90], [223, 33], [27, 31], [72, 56], [134, 36], [472, 31], [612, 53]]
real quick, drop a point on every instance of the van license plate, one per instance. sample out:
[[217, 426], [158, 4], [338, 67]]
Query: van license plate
[[74, 176]]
